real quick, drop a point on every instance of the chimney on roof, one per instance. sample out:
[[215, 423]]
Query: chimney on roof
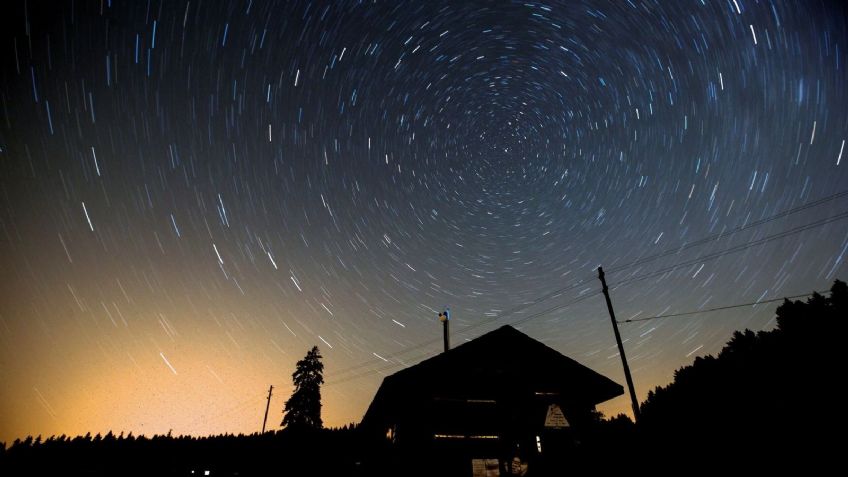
[[444, 317]]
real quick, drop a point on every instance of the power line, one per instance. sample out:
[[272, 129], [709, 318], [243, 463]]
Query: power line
[[737, 248], [391, 365], [730, 232], [685, 246], [471, 327], [709, 257], [719, 308], [434, 341], [555, 308], [640, 261]]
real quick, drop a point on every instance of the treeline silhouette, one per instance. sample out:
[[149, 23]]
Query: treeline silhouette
[[768, 400], [314, 452]]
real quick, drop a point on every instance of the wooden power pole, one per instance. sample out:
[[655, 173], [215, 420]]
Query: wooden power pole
[[265, 420], [634, 401]]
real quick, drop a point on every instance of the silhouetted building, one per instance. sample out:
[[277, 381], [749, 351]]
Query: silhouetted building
[[494, 405]]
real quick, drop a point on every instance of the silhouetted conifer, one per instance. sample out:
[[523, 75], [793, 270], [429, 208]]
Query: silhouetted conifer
[[303, 409]]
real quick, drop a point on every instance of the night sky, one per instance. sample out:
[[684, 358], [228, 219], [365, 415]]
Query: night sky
[[193, 194]]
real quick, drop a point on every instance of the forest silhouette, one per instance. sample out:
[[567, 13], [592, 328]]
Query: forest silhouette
[[768, 400]]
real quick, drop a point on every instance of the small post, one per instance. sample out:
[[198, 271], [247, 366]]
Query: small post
[[265, 420], [444, 317], [634, 401]]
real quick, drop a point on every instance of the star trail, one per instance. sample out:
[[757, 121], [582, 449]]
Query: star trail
[[194, 193]]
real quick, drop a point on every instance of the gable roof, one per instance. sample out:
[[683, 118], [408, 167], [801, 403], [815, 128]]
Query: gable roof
[[488, 366]]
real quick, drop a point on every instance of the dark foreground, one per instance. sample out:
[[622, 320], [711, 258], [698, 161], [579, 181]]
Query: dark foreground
[[615, 446]]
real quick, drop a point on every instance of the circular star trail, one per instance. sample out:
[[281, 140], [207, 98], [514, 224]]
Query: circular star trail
[[192, 194]]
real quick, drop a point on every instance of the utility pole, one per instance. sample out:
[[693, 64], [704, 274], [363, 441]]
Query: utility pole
[[444, 317], [635, 402], [266, 408]]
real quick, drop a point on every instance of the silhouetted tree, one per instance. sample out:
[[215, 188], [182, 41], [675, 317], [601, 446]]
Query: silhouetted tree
[[303, 409]]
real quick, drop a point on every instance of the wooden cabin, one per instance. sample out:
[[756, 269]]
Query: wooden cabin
[[496, 405]]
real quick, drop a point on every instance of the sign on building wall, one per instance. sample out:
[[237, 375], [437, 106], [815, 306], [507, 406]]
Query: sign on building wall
[[555, 419]]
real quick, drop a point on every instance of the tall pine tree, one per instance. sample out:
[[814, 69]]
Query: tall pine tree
[[303, 409]]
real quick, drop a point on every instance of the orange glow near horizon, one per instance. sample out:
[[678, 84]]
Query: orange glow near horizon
[[94, 392], [210, 386]]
